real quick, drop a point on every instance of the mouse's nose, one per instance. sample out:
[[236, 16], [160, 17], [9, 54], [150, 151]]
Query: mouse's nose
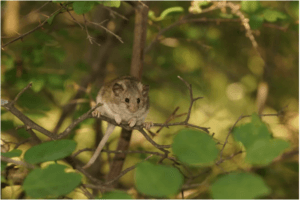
[[133, 108]]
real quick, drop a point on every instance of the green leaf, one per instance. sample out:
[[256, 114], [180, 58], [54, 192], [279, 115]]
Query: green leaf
[[110, 3], [53, 150], [256, 22], [170, 10], [37, 83], [42, 36], [50, 182], [50, 20], [58, 54], [81, 7], [239, 186], [23, 133], [164, 13], [273, 15], [203, 3], [3, 165], [262, 152], [33, 101], [250, 6], [7, 125], [12, 153], [7, 61], [116, 195], [55, 81], [157, 180], [249, 133], [194, 147], [2, 178]]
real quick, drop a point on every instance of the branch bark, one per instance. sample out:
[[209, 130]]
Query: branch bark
[[140, 31]]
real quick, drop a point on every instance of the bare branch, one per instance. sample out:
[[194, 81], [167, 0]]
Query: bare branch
[[160, 147], [79, 168], [31, 31], [22, 142], [226, 140], [242, 117], [125, 152], [20, 93], [86, 192], [125, 171], [71, 15], [103, 27], [28, 122], [89, 37], [37, 9], [115, 13], [185, 122], [17, 162], [77, 121]]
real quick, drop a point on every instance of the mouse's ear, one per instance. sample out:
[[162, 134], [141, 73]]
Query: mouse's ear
[[117, 89], [145, 90]]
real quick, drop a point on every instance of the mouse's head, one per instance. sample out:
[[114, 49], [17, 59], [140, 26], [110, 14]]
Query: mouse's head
[[131, 94]]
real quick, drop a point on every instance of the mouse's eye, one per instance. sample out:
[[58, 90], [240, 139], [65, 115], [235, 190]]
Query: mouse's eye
[[138, 100], [127, 100]]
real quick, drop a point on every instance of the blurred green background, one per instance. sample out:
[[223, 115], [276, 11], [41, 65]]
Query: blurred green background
[[215, 57]]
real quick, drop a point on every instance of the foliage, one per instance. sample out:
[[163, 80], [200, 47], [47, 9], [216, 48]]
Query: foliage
[[52, 181], [239, 186], [157, 180], [191, 147], [48, 151], [206, 44]]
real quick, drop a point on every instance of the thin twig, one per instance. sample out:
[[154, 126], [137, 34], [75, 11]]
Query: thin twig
[[89, 37], [28, 122], [20, 93], [228, 134], [86, 192], [125, 171], [116, 13], [168, 119], [22, 142], [31, 31], [160, 147], [37, 9], [242, 117], [188, 115], [126, 152], [17, 162], [71, 15], [77, 121], [93, 179], [99, 25]]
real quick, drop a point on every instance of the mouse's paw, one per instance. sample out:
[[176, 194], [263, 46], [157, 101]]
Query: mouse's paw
[[96, 113], [118, 119], [147, 125], [132, 122]]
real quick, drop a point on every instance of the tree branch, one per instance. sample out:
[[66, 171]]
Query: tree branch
[[185, 122], [17, 162], [31, 31]]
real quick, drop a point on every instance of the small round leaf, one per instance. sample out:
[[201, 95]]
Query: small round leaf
[[12, 153], [81, 7], [49, 151], [194, 147], [249, 133], [239, 186], [157, 180], [50, 182], [262, 152]]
